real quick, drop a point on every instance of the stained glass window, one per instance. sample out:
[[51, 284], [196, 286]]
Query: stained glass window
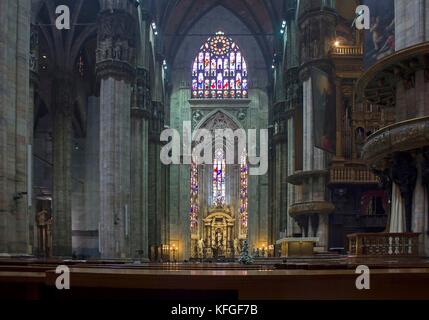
[[219, 171], [219, 70], [244, 171], [194, 209]]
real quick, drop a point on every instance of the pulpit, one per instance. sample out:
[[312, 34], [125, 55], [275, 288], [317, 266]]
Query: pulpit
[[44, 234]]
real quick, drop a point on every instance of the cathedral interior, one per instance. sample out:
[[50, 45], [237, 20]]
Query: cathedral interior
[[95, 95]]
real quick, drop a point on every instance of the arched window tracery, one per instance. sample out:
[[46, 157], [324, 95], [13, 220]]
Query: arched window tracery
[[219, 70]]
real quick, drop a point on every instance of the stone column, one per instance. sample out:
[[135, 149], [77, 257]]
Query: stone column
[[89, 220], [317, 22], [293, 103], [139, 167], [115, 71], [63, 98], [154, 177], [156, 125], [34, 81], [14, 117], [291, 170]]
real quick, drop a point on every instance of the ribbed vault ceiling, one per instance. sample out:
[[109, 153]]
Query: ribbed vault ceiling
[[176, 17]]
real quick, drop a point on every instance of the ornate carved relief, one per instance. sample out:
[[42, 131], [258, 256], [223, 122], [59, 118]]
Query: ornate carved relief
[[241, 115], [115, 52], [197, 115], [409, 135], [220, 121]]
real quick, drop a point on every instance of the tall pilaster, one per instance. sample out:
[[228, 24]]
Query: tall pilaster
[[34, 82], [63, 100], [115, 71]]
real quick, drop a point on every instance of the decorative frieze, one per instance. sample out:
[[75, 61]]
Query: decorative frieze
[[403, 136], [379, 84]]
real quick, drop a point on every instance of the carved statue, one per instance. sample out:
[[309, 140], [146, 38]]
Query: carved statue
[[404, 174], [44, 221], [201, 246], [117, 52], [237, 247], [276, 127]]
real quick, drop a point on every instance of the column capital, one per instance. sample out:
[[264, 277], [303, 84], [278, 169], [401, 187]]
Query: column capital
[[116, 45]]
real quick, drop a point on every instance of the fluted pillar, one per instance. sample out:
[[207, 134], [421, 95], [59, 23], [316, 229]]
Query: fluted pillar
[[115, 71]]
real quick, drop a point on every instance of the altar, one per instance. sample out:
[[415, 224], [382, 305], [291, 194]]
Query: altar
[[297, 247]]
